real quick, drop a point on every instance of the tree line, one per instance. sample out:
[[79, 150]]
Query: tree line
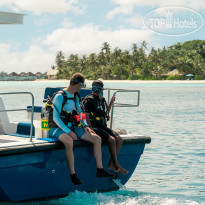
[[138, 63]]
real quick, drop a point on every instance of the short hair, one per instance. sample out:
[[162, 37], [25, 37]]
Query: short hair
[[98, 82], [77, 78]]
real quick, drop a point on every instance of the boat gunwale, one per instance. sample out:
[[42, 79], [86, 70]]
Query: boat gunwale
[[47, 146]]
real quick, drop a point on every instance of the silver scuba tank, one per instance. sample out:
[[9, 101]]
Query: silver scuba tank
[[44, 122]]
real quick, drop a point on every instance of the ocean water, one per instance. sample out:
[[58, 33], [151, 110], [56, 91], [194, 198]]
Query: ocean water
[[171, 170]]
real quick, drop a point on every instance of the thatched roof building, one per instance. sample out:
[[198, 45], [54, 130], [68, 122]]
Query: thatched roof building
[[13, 74], [174, 72], [52, 74]]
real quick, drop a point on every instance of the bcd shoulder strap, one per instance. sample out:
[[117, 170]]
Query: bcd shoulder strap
[[65, 98], [80, 101], [106, 105]]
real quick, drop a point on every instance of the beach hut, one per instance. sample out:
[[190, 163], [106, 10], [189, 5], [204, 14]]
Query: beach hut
[[174, 73], [23, 74], [2, 74], [52, 74], [31, 74], [190, 77], [13, 74], [40, 75]]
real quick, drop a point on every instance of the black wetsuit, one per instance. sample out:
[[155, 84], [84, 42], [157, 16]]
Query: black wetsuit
[[95, 105]]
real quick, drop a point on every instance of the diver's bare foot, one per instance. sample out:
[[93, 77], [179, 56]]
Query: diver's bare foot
[[123, 171], [113, 168]]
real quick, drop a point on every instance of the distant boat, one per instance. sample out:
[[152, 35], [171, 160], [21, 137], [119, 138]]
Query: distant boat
[[33, 167]]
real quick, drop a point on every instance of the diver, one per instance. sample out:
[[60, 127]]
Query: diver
[[63, 129], [97, 110]]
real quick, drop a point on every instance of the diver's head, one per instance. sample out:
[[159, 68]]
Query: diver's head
[[97, 86], [77, 81]]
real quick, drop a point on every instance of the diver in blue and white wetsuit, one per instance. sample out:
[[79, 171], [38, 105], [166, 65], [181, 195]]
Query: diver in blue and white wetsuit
[[68, 107], [65, 133]]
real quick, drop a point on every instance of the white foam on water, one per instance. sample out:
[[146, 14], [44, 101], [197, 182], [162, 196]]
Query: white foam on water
[[118, 182], [121, 197]]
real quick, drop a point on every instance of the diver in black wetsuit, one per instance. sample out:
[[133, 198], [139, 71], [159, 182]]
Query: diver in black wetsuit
[[96, 110]]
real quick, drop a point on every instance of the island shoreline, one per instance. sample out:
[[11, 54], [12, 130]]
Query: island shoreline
[[129, 81]]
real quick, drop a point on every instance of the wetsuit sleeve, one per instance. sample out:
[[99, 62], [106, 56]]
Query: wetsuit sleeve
[[88, 105], [83, 122], [58, 101]]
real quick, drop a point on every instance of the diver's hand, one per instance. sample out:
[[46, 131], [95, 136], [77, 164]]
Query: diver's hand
[[87, 129], [112, 99], [72, 135]]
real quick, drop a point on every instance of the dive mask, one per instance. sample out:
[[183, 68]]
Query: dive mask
[[97, 89], [77, 81], [82, 84]]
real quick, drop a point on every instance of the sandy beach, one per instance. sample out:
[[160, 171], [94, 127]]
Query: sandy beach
[[130, 81]]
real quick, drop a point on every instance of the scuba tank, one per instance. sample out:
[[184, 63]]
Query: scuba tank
[[44, 122], [47, 121]]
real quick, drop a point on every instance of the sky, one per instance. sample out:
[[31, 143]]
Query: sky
[[82, 26]]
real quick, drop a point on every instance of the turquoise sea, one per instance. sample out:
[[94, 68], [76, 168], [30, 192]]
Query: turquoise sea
[[171, 170]]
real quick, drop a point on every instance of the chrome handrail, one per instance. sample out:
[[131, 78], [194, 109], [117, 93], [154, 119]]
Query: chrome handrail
[[28, 109], [122, 104]]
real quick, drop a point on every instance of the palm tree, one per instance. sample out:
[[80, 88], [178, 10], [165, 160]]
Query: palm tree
[[83, 63], [101, 58], [74, 62], [60, 60], [92, 60], [116, 55], [106, 49], [134, 48]]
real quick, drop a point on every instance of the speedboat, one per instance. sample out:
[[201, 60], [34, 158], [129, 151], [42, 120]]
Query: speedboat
[[33, 165]]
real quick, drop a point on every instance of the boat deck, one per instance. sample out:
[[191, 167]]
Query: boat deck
[[11, 140]]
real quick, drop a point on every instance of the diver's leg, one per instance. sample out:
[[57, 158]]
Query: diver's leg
[[106, 137], [96, 141], [97, 152], [68, 143], [113, 164], [119, 143]]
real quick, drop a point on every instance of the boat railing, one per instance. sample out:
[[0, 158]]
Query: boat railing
[[121, 104], [28, 109]]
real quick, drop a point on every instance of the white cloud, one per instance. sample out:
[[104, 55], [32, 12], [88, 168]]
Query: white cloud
[[39, 7], [125, 10], [80, 40], [34, 60], [192, 4], [137, 21], [42, 21], [89, 38], [127, 7], [67, 23]]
